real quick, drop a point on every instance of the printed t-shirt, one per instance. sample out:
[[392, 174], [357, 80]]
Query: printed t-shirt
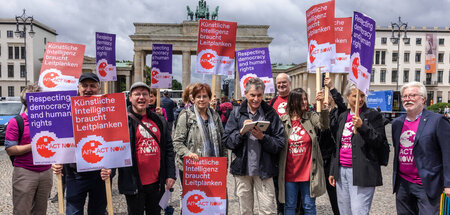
[[148, 154], [280, 105], [298, 159], [345, 154], [406, 164]]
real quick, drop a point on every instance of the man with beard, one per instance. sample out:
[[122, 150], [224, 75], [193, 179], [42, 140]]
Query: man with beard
[[421, 158]]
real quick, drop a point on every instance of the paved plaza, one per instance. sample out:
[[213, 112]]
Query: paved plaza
[[383, 202]]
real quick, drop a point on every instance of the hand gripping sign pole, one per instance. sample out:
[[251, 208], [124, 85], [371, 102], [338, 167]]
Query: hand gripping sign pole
[[213, 89], [318, 88], [109, 196], [60, 193]]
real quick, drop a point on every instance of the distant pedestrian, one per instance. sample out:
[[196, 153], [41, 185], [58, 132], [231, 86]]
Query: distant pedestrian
[[170, 106], [378, 109]]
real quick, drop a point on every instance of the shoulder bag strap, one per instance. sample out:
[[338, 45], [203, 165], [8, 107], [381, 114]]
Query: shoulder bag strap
[[144, 126]]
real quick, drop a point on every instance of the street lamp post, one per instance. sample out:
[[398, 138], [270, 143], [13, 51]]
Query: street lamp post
[[397, 28], [24, 20]]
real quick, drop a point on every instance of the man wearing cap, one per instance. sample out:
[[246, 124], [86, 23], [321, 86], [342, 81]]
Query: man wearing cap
[[80, 184], [170, 107], [153, 169]]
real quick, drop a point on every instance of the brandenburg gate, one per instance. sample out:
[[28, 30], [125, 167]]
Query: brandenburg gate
[[183, 38]]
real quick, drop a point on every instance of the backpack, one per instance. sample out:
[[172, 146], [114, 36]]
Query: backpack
[[20, 125]]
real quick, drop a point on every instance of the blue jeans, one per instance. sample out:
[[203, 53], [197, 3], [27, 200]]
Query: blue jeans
[[291, 189], [78, 186]]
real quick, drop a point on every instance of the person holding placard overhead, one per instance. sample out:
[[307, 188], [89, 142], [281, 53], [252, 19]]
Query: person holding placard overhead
[[355, 168], [255, 152], [31, 184], [159, 110], [301, 164], [199, 129]]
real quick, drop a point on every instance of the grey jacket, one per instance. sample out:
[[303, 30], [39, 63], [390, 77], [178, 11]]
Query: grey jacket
[[311, 121], [187, 138]]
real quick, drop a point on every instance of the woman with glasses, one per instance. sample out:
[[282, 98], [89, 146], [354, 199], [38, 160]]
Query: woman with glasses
[[355, 168], [301, 164], [199, 129]]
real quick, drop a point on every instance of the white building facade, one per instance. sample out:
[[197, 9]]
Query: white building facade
[[12, 55], [411, 62]]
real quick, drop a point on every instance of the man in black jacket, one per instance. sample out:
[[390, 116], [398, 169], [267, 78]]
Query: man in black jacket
[[153, 169], [256, 160]]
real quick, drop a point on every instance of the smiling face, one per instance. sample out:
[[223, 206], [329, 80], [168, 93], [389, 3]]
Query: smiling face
[[88, 87], [152, 99], [412, 100], [254, 98], [202, 100], [352, 98], [283, 85], [140, 99]]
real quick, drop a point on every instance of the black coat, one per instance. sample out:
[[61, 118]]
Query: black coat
[[129, 182], [272, 143], [366, 144]]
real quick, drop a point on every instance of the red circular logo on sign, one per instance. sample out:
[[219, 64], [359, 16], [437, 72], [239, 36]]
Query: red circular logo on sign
[[88, 151], [42, 146], [206, 60], [355, 65], [192, 203], [311, 49], [154, 73], [101, 69], [48, 79]]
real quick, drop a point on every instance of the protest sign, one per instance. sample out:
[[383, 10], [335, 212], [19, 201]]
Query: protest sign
[[61, 66], [430, 53], [254, 63], [161, 66], [320, 33], [343, 34], [363, 43], [50, 121], [106, 56], [100, 127], [205, 186], [215, 48]]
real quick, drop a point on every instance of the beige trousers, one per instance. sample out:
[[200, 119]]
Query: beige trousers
[[31, 191], [247, 186]]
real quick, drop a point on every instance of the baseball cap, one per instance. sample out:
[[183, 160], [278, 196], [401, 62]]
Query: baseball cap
[[89, 75], [139, 84]]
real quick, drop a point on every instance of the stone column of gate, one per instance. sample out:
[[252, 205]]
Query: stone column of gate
[[186, 68], [138, 66], [305, 81]]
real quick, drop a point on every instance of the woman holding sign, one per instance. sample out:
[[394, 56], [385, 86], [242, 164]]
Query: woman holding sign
[[159, 110], [199, 129], [355, 168], [301, 164]]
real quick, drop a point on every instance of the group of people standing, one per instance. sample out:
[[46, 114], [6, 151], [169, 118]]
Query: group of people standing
[[301, 155]]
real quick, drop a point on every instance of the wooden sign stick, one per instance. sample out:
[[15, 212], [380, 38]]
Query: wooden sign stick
[[158, 97], [213, 89], [356, 109], [318, 88], [109, 197], [60, 193], [327, 90]]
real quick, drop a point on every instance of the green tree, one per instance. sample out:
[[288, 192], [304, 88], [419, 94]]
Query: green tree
[[176, 85]]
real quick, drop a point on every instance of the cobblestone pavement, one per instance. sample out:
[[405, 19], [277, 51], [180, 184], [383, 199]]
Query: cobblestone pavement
[[383, 201]]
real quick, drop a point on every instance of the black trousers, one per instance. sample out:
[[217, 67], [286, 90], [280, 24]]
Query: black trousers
[[412, 199], [146, 200], [330, 189]]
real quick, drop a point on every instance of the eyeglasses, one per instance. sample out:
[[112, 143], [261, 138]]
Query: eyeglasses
[[137, 95], [411, 96]]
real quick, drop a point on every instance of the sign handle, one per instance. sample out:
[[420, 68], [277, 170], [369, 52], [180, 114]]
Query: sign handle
[[158, 97], [213, 89], [318, 88], [356, 110], [109, 196], [327, 90], [60, 193]]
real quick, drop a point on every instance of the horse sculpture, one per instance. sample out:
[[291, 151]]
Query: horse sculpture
[[190, 14], [215, 14]]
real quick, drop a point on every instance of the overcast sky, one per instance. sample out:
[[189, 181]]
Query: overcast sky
[[76, 21]]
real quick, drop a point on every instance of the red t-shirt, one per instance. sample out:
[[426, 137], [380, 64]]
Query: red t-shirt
[[298, 159], [148, 152], [280, 105]]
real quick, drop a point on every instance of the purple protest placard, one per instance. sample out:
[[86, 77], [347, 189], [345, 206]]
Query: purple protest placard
[[254, 63], [106, 56], [161, 66], [51, 132], [363, 43]]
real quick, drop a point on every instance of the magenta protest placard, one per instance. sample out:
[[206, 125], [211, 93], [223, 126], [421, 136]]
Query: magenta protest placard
[[363, 43], [50, 122], [100, 127], [343, 34], [254, 63], [61, 66], [106, 56], [215, 48], [161, 66], [320, 33], [205, 186]]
